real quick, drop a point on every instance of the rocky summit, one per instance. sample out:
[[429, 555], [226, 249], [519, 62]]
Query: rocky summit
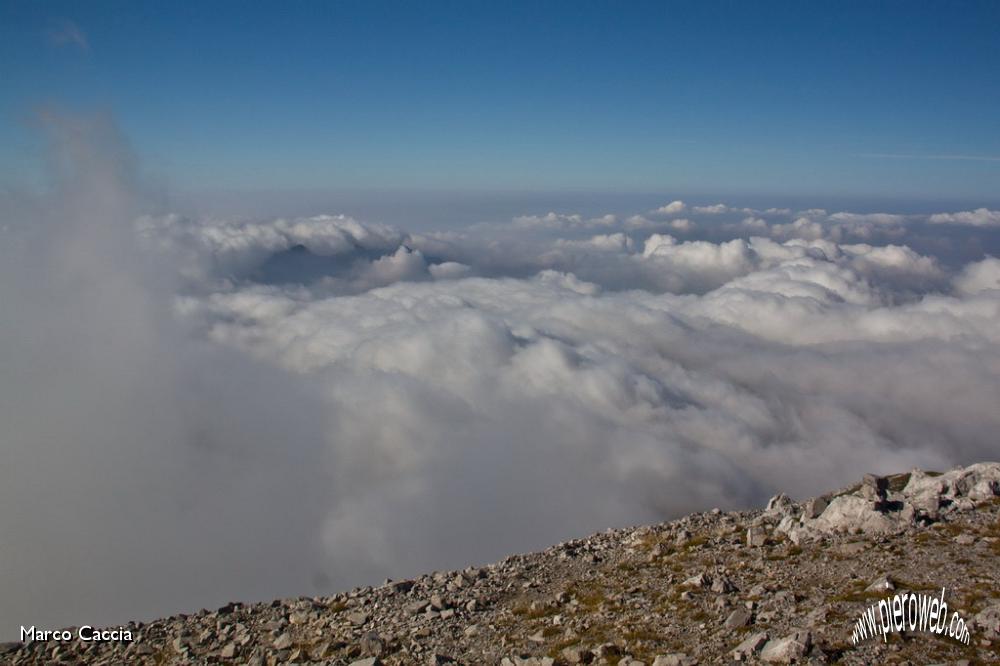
[[785, 584]]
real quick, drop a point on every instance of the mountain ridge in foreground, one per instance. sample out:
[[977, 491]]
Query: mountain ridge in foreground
[[786, 584]]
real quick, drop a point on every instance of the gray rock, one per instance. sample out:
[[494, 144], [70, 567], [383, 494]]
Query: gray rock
[[358, 618], [282, 642], [814, 508], [988, 622], [738, 618], [675, 659], [417, 607], [874, 488], [722, 585], [370, 661], [756, 536], [850, 512], [881, 584], [538, 637], [372, 645], [401, 586], [780, 505], [788, 649], [701, 580], [750, 646]]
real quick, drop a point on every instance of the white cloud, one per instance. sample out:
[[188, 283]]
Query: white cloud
[[683, 225], [862, 218], [715, 209], [558, 221], [618, 242], [754, 224], [672, 208], [981, 217], [979, 277], [449, 270]]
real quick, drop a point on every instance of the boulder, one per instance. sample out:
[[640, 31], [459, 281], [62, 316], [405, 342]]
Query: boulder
[[814, 507], [750, 646], [848, 513], [780, 505], [788, 649], [988, 622]]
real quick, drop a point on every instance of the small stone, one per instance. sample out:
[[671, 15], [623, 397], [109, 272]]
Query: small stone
[[320, 651], [229, 651], [417, 607], [606, 651], [439, 660], [722, 585], [675, 659], [401, 586], [756, 536], [701, 580], [357, 619], [881, 584], [370, 661], [850, 549], [372, 644], [282, 642], [738, 618], [576, 654]]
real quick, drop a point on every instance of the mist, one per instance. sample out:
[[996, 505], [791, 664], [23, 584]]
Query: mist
[[144, 470]]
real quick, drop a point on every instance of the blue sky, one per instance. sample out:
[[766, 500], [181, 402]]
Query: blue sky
[[868, 99]]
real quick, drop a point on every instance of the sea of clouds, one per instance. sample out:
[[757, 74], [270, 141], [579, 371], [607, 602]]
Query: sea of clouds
[[199, 410]]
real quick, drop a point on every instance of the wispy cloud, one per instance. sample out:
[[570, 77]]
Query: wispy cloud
[[904, 156], [68, 33]]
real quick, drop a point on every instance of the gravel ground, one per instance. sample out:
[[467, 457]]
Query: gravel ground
[[781, 585]]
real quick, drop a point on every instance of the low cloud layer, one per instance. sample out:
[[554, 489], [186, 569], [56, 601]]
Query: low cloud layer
[[203, 410]]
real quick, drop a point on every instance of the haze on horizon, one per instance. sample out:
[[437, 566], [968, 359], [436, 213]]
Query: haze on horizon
[[296, 298]]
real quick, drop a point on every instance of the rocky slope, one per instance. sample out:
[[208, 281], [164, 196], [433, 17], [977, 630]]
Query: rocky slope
[[780, 585]]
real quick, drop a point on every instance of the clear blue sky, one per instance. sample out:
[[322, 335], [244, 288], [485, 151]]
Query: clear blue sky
[[835, 98]]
